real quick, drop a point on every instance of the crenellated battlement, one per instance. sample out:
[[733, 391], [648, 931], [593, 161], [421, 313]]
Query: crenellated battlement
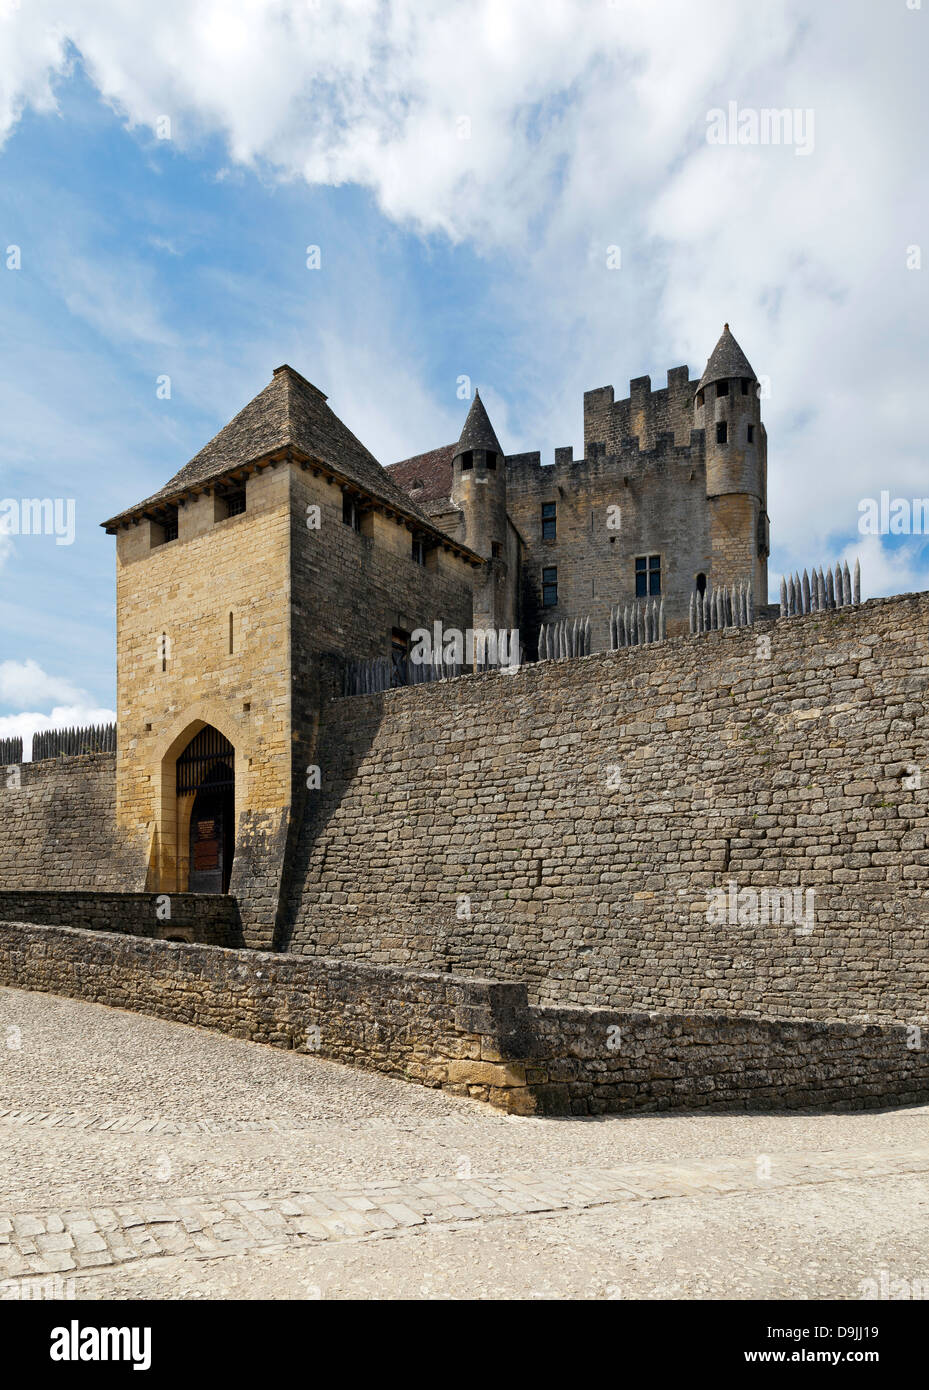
[[626, 461], [644, 414]]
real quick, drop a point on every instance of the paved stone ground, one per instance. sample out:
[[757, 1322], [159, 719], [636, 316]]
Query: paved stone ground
[[145, 1159]]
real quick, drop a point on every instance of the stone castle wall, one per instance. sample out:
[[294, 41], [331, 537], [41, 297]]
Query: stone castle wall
[[58, 827], [350, 591], [659, 499], [567, 824], [476, 1037], [644, 414]]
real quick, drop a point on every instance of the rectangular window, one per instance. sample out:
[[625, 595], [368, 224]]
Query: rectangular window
[[549, 521], [722, 431], [165, 529], [722, 388], [350, 513], [235, 503], [467, 460], [549, 587], [647, 575], [491, 460], [751, 433], [745, 386], [496, 550], [419, 551]]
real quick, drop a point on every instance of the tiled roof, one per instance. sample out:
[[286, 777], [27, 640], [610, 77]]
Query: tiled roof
[[289, 412], [426, 477]]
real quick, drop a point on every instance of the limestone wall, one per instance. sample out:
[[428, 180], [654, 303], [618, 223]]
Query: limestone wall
[[644, 414], [210, 919], [477, 1037], [350, 591], [567, 825], [58, 826], [609, 510], [203, 638], [428, 1028]]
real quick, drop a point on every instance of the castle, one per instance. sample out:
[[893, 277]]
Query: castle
[[669, 498], [283, 547], [503, 857]]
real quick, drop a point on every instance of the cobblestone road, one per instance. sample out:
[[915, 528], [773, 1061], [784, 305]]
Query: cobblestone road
[[249, 1172]]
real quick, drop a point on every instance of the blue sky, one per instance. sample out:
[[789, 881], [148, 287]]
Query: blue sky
[[464, 169]]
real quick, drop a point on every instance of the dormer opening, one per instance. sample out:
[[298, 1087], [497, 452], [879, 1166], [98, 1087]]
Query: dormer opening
[[351, 513], [165, 528], [230, 502]]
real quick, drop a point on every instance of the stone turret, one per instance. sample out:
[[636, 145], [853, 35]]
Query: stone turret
[[728, 409], [479, 493]]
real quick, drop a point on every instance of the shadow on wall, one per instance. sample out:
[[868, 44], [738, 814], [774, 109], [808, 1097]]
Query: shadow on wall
[[202, 919], [324, 770]]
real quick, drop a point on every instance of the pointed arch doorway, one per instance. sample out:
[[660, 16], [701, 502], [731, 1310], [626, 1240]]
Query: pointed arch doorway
[[206, 801]]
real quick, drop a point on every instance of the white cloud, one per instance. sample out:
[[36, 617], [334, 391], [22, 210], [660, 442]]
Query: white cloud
[[376, 94], [78, 716], [118, 299], [886, 570], [587, 128], [25, 683]]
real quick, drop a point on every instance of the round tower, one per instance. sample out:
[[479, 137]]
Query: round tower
[[728, 410], [479, 482], [479, 493]]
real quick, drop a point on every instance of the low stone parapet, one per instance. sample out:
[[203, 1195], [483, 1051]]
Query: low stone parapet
[[478, 1037]]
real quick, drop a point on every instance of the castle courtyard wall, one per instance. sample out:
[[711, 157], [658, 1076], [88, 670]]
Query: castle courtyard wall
[[58, 827], [566, 825]]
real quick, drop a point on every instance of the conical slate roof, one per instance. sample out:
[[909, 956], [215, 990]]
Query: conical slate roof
[[478, 432], [726, 360], [290, 411]]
